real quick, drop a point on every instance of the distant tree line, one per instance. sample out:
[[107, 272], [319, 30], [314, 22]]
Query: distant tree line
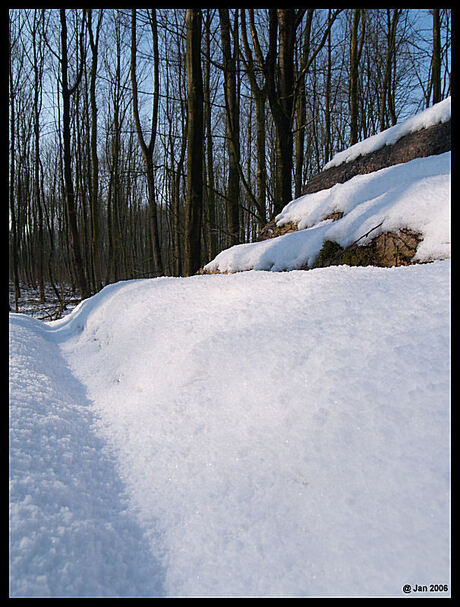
[[144, 141]]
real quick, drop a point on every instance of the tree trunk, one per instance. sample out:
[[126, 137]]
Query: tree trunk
[[436, 60], [287, 29], [210, 194], [301, 111], [259, 95], [194, 197], [14, 252], [68, 182], [354, 70], [147, 150], [233, 128], [94, 193], [327, 101], [261, 178], [386, 86], [38, 70]]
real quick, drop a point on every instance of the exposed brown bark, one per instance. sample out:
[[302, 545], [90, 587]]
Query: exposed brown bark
[[427, 142]]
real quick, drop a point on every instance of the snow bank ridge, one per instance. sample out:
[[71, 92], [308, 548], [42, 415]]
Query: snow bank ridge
[[414, 195], [440, 112]]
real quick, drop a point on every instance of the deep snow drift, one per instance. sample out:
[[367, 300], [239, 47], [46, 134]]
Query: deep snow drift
[[255, 434]]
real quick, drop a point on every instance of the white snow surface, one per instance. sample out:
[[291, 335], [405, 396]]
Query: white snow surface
[[437, 113], [413, 195], [71, 532], [256, 434]]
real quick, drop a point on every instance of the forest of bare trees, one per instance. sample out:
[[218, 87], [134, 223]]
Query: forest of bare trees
[[144, 141]]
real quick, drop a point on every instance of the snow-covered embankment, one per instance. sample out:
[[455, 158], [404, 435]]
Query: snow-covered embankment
[[277, 435]]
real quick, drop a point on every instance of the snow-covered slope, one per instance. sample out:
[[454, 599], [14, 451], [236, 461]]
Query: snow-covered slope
[[256, 434], [414, 195]]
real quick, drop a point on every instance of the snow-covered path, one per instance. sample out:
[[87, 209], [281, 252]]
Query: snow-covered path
[[257, 434], [71, 532]]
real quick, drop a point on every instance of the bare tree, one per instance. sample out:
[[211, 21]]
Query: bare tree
[[259, 95], [387, 112], [147, 149], [357, 43], [194, 199], [94, 190], [282, 85], [67, 92], [436, 57], [233, 128], [12, 202], [209, 164]]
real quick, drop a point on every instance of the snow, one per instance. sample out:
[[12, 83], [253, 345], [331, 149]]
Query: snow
[[254, 434], [71, 534], [438, 113], [413, 195]]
